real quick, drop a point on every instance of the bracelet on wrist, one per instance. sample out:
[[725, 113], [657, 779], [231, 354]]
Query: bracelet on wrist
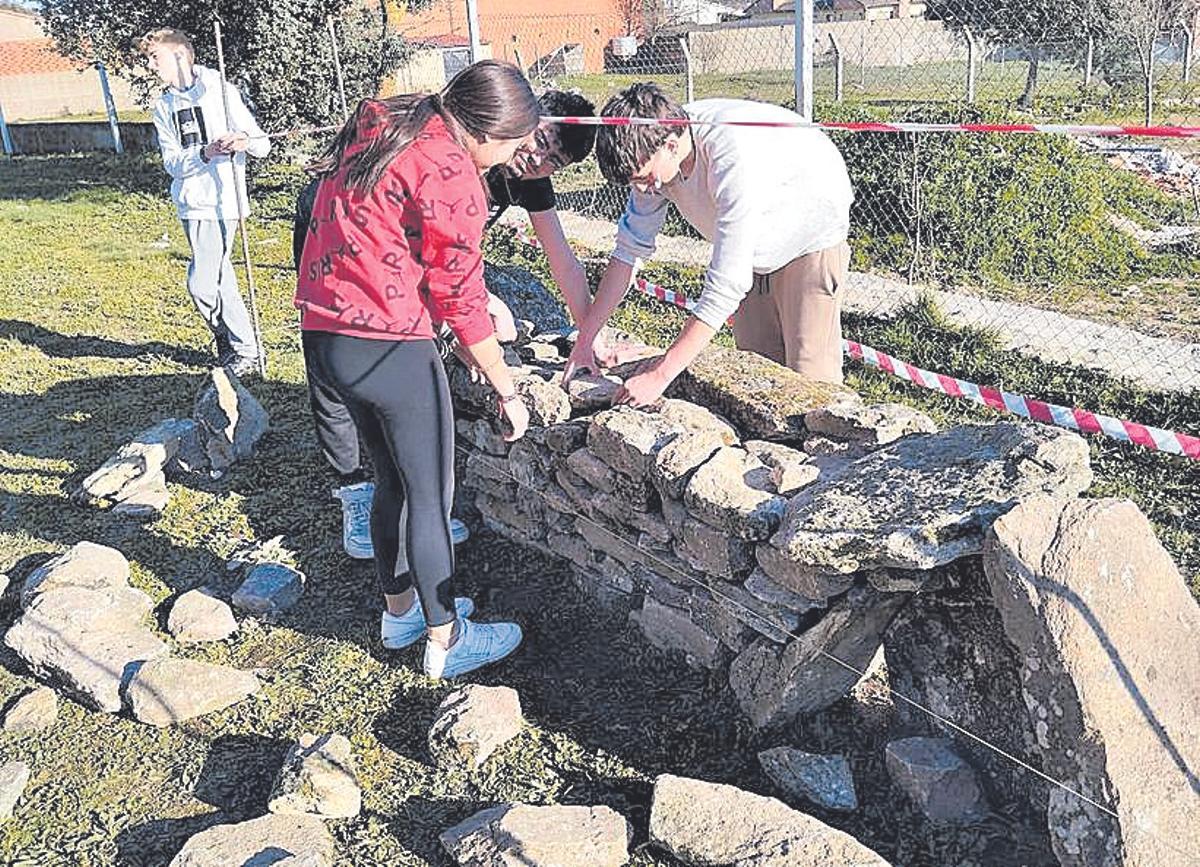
[[509, 398]]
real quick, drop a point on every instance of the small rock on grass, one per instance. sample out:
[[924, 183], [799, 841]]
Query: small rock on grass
[[822, 780], [269, 590], [474, 722], [937, 779], [35, 711], [14, 777], [318, 777], [198, 616]]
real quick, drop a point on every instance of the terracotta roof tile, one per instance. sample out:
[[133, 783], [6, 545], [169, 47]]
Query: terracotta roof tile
[[33, 57]]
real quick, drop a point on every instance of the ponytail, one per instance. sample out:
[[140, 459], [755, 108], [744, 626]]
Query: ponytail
[[488, 99]]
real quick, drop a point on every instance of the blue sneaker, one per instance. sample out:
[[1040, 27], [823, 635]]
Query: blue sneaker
[[477, 645], [356, 519], [397, 633]]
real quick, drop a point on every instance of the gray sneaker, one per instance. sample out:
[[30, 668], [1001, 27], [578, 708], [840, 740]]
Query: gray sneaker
[[397, 633], [356, 519]]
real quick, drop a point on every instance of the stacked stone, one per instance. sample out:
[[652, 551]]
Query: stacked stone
[[227, 422], [661, 508], [754, 520]]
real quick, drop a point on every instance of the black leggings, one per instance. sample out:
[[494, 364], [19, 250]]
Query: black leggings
[[400, 400]]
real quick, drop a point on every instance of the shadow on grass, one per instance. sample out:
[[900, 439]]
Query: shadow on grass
[[238, 773], [155, 843], [69, 176], [58, 345]]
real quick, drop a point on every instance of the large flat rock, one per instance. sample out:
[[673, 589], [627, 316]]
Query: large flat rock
[[711, 823], [522, 835], [762, 399], [925, 500], [260, 842], [1109, 637], [88, 641], [167, 691]]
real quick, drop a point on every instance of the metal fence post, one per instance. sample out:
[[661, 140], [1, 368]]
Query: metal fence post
[[687, 58], [804, 58], [838, 68], [972, 51], [1190, 31], [4, 136], [110, 107], [473, 30], [337, 67]]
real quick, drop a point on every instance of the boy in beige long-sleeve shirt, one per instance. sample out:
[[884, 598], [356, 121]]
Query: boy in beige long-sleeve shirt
[[774, 203]]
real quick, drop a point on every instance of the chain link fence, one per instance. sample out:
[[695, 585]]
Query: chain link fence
[[1075, 250]]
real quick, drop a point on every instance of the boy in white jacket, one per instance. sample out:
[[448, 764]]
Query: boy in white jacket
[[206, 159]]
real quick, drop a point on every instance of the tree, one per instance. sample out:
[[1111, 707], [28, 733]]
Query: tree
[[1139, 25], [277, 52], [1032, 25]]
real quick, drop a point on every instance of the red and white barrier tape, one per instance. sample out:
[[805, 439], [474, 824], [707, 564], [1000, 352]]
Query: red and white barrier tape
[[1101, 130], [1081, 420], [1027, 407]]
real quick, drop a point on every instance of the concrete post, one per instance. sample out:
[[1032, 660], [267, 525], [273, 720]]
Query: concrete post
[[805, 33], [110, 108]]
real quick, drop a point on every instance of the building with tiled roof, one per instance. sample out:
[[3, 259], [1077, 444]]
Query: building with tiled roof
[[39, 83]]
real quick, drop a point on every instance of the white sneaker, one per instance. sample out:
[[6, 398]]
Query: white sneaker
[[477, 645], [356, 519], [397, 633]]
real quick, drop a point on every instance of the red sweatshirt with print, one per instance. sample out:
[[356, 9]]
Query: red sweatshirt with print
[[389, 263]]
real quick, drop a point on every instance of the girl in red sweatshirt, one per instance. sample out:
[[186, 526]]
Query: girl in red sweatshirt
[[393, 249]]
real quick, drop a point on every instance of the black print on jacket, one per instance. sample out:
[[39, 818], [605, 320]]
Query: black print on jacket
[[189, 124]]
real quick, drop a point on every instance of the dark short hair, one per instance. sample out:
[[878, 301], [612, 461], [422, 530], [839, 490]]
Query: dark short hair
[[577, 140], [621, 151]]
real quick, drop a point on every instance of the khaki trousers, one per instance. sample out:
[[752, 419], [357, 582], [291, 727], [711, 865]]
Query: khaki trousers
[[794, 315]]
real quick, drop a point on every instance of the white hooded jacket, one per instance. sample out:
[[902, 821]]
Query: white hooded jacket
[[187, 120]]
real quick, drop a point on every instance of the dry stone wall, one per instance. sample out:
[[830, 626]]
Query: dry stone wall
[[755, 521]]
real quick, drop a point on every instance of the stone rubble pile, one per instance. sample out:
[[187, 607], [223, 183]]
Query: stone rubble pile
[[83, 629], [227, 421]]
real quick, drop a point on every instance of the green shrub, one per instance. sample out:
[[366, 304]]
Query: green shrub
[[996, 209]]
